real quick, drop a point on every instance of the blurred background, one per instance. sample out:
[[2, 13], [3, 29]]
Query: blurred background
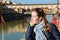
[[15, 15]]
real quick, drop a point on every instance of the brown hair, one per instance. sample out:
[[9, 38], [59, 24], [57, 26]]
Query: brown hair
[[41, 13]]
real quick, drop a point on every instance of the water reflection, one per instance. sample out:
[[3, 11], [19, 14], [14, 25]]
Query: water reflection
[[14, 30]]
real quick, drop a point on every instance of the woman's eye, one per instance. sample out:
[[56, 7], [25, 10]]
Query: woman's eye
[[33, 16]]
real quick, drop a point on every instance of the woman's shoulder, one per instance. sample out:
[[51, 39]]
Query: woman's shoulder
[[54, 28], [52, 25]]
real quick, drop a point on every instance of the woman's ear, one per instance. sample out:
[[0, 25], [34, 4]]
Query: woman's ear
[[40, 19]]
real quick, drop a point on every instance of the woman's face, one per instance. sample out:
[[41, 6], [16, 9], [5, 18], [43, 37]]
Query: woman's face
[[34, 17]]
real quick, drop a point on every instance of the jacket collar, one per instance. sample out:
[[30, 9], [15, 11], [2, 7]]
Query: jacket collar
[[40, 25]]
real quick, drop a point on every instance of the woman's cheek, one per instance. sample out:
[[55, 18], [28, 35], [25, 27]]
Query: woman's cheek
[[35, 20]]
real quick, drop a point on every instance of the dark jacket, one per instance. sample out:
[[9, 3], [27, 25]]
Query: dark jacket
[[30, 35], [54, 35]]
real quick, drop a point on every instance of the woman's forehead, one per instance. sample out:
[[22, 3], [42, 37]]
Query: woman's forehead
[[34, 12]]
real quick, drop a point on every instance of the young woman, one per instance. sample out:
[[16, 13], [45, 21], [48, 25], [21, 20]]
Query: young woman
[[44, 30], [30, 35], [39, 28]]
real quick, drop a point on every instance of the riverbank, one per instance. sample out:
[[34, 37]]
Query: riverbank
[[13, 17]]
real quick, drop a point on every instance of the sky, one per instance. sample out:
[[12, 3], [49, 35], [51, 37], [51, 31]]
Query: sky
[[35, 1]]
